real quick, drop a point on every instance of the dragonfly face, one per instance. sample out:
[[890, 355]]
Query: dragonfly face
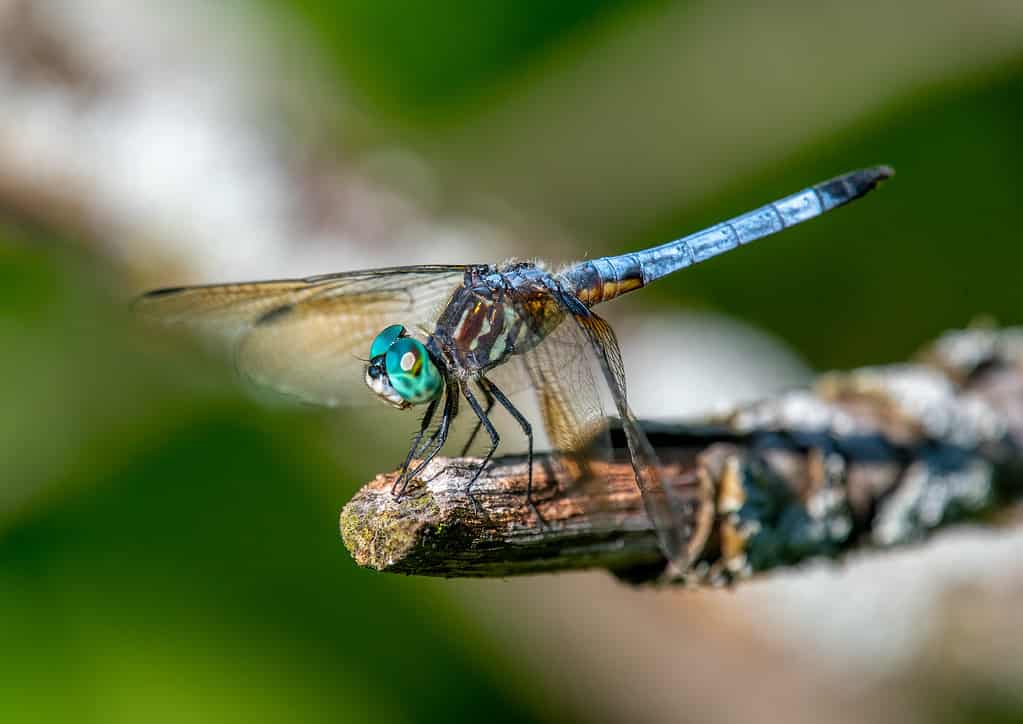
[[400, 370]]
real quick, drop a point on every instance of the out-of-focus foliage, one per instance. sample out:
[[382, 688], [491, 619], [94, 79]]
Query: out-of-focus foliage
[[419, 59]]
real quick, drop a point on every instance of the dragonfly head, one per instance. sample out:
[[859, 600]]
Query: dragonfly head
[[401, 371]]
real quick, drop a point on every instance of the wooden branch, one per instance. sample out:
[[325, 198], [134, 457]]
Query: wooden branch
[[872, 458]]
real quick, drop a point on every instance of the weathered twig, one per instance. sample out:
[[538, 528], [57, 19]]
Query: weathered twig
[[871, 458]]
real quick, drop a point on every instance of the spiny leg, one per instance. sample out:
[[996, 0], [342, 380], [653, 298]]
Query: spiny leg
[[423, 427], [495, 439], [437, 440], [494, 391], [475, 431]]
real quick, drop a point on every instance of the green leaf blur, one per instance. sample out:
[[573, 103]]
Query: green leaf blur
[[418, 59]]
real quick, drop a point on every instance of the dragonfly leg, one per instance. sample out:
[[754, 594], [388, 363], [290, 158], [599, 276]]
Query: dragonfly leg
[[400, 482], [495, 393], [495, 439], [476, 430], [436, 442]]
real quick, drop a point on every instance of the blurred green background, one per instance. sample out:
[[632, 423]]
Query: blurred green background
[[168, 548]]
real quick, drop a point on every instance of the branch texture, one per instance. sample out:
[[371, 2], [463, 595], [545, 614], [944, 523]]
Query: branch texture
[[872, 458]]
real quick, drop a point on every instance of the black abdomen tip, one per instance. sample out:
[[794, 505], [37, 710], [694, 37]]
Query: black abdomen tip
[[850, 186], [870, 177]]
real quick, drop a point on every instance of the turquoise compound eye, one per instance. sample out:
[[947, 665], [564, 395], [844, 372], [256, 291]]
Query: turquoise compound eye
[[412, 373], [385, 339]]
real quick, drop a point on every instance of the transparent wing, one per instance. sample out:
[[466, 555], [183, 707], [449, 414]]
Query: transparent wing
[[666, 512], [564, 370], [560, 372], [305, 337]]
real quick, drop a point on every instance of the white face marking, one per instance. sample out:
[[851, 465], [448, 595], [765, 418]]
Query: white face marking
[[408, 361], [382, 387]]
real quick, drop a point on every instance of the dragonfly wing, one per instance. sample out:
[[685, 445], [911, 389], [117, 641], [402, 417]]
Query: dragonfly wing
[[304, 337], [572, 371], [220, 312], [559, 371], [665, 511]]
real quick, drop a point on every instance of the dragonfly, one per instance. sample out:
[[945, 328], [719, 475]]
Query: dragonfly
[[440, 335]]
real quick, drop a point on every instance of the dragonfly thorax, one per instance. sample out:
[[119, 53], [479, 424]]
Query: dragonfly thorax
[[401, 371]]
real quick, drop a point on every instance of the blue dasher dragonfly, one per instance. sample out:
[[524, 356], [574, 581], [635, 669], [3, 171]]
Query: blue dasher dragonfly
[[437, 335]]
